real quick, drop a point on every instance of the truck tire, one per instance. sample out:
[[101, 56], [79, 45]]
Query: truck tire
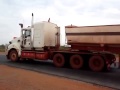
[[13, 55], [58, 60], [96, 63], [76, 61]]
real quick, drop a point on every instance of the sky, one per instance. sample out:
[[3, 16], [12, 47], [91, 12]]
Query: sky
[[60, 12]]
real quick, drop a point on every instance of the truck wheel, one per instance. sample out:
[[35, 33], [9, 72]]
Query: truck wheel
[[96, 63], [13, 55], [76, 62], [58, 60]]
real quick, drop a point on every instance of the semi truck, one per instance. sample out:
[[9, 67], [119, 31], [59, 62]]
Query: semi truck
[[90, 46]]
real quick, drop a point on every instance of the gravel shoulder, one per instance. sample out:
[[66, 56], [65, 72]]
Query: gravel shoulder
[[20, 79]]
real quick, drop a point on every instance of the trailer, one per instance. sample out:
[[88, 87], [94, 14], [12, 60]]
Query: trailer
[[42, 41], [98, 38]]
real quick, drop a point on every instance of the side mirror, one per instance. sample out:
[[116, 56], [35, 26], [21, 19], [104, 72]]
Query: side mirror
[[21, 25]]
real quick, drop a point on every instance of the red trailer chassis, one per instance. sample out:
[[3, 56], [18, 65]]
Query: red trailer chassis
[[76, 58], [114, 48]]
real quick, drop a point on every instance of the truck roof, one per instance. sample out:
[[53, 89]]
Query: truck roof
[[74, 26], [44, 22]]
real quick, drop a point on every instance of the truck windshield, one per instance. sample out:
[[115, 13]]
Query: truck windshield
[[26, 33]]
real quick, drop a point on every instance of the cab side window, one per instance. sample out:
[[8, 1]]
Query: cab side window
[[27, 33]]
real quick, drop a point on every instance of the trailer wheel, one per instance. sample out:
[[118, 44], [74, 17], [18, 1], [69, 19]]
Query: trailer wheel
[[13, 55], [58, 60], [96, 63], [76, 62]]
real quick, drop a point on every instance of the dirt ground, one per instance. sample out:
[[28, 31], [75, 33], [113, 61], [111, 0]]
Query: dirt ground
[[2, 53], [20, 79]]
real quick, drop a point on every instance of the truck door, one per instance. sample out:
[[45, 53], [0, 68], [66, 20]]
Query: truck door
[[26, 39]]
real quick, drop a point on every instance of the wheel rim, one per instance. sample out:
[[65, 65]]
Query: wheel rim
[[96, 63], [58, 60], [76, 62], [13, 55]]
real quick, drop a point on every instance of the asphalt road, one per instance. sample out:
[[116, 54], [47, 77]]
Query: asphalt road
[[109, 79]]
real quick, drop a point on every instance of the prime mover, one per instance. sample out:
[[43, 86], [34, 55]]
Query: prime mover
[[89, 46]]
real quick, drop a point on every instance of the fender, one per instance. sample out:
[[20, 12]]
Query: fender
[[15, 46]]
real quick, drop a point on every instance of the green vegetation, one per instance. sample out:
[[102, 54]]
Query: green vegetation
[[2, 48], [64, 48]]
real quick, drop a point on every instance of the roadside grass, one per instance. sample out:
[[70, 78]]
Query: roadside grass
[[2, 49], [64, 48]]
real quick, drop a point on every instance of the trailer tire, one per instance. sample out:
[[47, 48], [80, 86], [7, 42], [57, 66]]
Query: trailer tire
[[58, 60], [96, 63], [76, 61], [13, 55]]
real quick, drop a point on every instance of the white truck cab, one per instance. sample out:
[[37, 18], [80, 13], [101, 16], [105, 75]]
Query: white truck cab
[[16, 45], [40, 35]]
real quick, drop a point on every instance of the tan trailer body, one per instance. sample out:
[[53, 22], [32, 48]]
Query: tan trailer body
[[104, 34]]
